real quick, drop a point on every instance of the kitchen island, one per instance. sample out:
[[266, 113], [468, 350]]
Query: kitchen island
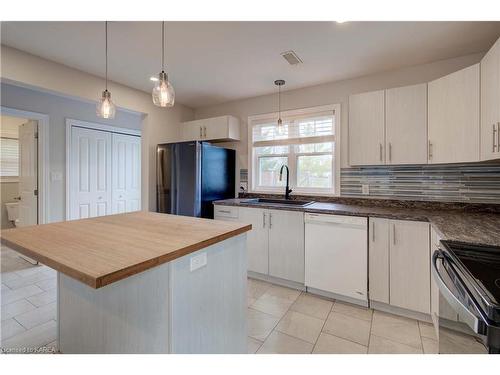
[[144, 282]]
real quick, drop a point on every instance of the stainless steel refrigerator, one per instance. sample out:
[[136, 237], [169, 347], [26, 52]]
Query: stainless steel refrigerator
[[191, 175]]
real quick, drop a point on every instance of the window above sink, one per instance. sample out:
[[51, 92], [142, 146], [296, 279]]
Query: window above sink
[[306, 144]]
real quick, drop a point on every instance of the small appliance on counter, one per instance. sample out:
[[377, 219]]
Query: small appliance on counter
[[468, 278], [191, 175]]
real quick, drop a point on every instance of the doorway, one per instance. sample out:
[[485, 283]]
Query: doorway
[[19, 171]]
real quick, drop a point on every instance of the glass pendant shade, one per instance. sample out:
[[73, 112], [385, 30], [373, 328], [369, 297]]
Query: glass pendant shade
[[105, 107], [163, 92]]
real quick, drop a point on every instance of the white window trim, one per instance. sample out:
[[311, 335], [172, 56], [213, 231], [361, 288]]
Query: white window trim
[[336, 109]]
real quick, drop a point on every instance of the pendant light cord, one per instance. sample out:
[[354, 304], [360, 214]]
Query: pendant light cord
[[162, 46], [106, 51], [279, 102]]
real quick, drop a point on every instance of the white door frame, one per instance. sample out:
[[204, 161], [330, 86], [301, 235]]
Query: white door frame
[[89, 125], [43, 157]]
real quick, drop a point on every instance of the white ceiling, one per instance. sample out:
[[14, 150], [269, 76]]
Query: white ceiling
[[214, 62]]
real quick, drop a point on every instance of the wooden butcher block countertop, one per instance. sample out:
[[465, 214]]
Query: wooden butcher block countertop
[[102, 250]]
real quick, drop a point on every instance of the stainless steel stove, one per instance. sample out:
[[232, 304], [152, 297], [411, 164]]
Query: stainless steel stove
[[468, 278]]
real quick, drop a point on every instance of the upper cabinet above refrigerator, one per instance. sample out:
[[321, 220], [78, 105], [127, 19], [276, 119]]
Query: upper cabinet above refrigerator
[[222, 129]]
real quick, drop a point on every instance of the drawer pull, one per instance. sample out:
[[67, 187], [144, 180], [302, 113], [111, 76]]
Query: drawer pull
[[494, 137]]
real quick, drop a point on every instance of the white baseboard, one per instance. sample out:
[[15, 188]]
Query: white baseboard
[[400, 311]]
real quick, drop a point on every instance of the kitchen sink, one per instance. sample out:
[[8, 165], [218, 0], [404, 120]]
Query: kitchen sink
[[277, 202]]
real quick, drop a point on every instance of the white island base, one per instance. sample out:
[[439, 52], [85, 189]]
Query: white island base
[[174, 307]]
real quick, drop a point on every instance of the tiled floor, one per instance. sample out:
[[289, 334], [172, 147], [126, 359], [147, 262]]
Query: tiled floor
[[28, 304], [280, 320]]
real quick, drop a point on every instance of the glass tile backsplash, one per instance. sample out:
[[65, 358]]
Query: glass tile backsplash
[[451, 183]]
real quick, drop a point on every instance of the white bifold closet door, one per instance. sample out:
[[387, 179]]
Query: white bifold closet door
[[90, 173], [104, 173], [126, 170]]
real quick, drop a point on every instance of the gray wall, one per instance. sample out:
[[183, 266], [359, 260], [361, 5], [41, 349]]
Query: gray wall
[[59, 108]]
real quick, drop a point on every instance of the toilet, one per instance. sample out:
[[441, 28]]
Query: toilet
[[13, 212], [13, 217]]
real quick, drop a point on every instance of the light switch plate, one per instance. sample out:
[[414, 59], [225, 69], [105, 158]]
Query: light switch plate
[[55, 176], [198, 261], [365, 189]]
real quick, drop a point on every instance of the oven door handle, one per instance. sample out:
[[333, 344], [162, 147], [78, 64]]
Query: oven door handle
[[463, 312]]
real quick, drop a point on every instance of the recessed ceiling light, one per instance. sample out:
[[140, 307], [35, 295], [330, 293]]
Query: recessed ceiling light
[[341, 21], [154, 79]]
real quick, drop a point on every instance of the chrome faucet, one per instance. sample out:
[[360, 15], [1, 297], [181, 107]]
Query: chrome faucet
[[287, 188]]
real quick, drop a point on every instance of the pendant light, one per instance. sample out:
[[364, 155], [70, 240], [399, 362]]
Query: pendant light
[[105, 107], [163, 92], [279, 83]]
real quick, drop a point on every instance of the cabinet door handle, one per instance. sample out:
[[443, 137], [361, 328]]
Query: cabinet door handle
[[380, 151], [498, 136], [263, 220], [430, 150], [390, 151], [205, 131], [494, 137], [201, 132], [225, 211], [270, 221], [394, 234], [373, 231]]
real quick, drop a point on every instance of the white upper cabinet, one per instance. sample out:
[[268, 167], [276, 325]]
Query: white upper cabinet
[[406, 125], [388, 127], [490, 104], [366, 128], [453, 123], [222, 128]]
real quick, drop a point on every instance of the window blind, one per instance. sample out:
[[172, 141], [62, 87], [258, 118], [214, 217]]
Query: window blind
[[311, 128], [9, 157]]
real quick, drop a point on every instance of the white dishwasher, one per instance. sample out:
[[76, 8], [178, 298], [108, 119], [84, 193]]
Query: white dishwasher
[[336, 254]]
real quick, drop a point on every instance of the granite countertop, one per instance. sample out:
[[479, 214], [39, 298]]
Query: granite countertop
[[451, 222]]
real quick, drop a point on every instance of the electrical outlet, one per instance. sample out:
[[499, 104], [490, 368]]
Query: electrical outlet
[[198, 261], [365, 189]]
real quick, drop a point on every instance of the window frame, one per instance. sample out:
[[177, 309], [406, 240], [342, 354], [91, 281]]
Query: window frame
[[253, 177]]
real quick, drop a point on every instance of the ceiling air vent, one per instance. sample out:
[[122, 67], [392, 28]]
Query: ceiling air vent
[[291, 57]]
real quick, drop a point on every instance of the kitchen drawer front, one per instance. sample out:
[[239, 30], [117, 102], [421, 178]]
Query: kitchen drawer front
[[226, 211], [335, 219]]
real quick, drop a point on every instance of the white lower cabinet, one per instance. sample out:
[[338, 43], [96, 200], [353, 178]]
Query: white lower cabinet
[[400, 264], [286, 245], [409, 265], [275, 244], [257, 238], [379, 260]]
